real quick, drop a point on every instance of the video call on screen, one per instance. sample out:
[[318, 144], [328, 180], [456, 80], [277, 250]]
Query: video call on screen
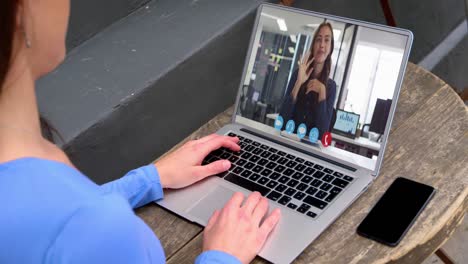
[[307, 76]]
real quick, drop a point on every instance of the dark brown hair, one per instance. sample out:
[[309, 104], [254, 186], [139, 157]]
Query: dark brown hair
[[8, 9], [323, 78]]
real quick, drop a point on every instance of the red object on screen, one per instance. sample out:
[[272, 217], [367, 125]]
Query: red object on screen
[[326, 139]]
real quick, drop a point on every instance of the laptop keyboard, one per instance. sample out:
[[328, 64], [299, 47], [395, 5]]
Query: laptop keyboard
[[291, 181]]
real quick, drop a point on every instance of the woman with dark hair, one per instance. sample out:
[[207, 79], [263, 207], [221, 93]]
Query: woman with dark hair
[[311, 93], [51, 212]]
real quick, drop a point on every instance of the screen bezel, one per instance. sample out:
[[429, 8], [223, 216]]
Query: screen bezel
[[363, 228], [404, 32]]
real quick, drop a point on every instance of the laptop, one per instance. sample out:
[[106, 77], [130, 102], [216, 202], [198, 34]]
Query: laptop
[[346, 123], [285, 151]]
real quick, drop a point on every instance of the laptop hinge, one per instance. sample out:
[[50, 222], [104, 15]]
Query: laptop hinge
[[336, 163]]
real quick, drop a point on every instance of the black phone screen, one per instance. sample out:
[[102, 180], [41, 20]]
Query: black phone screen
[[395, 212]]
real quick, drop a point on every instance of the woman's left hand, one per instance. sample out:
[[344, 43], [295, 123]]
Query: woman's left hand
[[317, 86], [183, 167]]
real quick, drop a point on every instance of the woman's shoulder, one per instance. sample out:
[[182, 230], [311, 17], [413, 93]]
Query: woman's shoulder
[[331, 83]]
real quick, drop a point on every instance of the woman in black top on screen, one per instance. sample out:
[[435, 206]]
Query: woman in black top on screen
[[311, 93]]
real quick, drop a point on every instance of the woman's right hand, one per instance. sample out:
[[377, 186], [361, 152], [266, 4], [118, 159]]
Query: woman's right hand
[[237, 229], [303, 74]]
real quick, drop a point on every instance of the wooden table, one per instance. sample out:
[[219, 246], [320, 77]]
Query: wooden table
[[428, 143]]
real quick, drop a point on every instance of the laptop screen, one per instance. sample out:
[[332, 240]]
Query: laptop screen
[[310, 78]]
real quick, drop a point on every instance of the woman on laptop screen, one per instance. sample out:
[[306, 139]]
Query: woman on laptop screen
[[311, 93]]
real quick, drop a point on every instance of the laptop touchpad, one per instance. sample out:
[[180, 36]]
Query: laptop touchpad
[[216, 199]]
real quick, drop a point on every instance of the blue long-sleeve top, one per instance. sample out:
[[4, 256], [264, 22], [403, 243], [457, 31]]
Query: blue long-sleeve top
[[52, 213], [307, 109]]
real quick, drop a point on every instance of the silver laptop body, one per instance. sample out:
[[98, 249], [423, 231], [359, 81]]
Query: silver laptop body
[[296, 230]]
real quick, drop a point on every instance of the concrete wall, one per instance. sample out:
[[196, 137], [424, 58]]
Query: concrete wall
[[88, 17]]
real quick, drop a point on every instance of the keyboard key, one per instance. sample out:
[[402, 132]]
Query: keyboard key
[[302, 186], [300, 167], [281, 188], [340, 183], [284, 200], [262, 162], [299, 160], [274, 157], [240, 137], [303, 208], [246, 155], [306, 179], [257, 151], [249, 148], [246, 174], [263, 146], [315, 202], [330, 197], [255, 143], [327, 170], [257, 168], [282, 161], [311, 190], [311, 214], [284, 179], [299, 195], [251, 186], [318, 167], [326, 186], [272, 184], [273, 150], [346, 177], [232, 134], [291, 157], [321, 194], [291, 164], [292, 183], [266, 172], [254, 177], [297, 175], [290, 192], [263, 180], [271, 165], [248, 140], [309, 171], [274, 196], [238, 170], [249, 165], [338, 174], [241, 162], [292, 206], [318, 174], [281, 153], [280, 168], [316, 183], [225, 155], [275, 175], [328, 178], [308, 163], [254, 158], [243, 145], [233, 159], [336, 190], [288, 172], [265, 154]]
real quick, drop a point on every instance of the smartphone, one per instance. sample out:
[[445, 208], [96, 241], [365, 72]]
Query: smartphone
[[395, 212]]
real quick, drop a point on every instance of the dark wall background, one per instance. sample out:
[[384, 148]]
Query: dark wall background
[[88, 17]]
